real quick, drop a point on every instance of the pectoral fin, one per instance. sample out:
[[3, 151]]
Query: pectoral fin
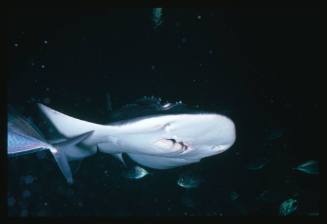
[[63, 165], [59, 154]]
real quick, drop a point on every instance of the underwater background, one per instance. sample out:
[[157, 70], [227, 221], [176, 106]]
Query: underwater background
[[260, 67]]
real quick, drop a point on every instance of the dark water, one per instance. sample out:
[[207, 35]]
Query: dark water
[[258, 66]]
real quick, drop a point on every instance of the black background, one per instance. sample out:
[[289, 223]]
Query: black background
[[259, 66]]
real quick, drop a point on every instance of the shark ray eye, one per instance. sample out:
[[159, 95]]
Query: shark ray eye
[[173, 140], [165, 143]]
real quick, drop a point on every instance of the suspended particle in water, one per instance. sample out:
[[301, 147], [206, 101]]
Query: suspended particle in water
[[258, 163], [24, 213], [45, 42], [26, 194], [11, 201], [270, 196], [43, 66], [210, 51], [16, 44], [108, 102], [31, 100], [199, 17], [46, 100], [275, 134], [188, 201], [287, 106], [184, 40], [28, 179], [153, 67], [42, 213], [88, 99], [23, 204], [234, 196], [316, 106]]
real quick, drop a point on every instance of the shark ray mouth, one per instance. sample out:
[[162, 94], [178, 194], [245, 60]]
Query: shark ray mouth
[[172, 144]]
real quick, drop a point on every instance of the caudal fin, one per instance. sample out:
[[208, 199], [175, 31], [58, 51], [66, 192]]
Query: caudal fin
[[67, 125]]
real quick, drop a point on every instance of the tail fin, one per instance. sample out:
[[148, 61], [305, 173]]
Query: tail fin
[[61, 157], [67, 125]]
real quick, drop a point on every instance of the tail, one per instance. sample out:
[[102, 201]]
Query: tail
[[87, 133], [67, 125], [58, 153]]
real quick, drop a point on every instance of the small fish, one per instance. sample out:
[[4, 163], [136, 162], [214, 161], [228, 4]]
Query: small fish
[[157, 17], [188, 181], [234, 196], [136, 173], [288, 207], [258, 163], [309, 167], [275, 134]]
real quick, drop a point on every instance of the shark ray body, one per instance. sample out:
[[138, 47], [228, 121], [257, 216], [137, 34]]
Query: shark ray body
[[172, 136]]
